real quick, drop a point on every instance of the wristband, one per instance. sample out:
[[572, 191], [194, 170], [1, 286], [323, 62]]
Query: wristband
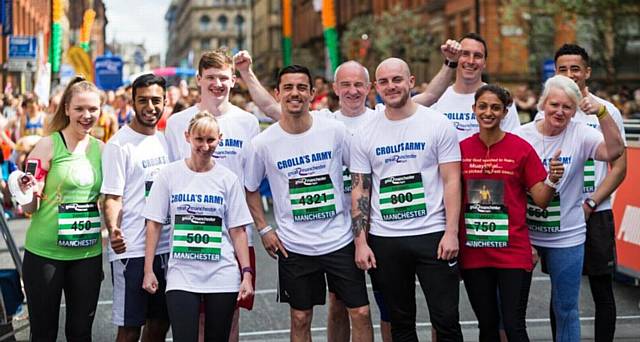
[[549, 183], [265, 230], [249, 269], [602, 112], [451, 64]]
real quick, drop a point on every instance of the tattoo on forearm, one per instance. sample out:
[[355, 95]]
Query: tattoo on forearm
[[360, 222], [355, 179], [366, 182]]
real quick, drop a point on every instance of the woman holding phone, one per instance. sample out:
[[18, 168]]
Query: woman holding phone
[[63, 250]]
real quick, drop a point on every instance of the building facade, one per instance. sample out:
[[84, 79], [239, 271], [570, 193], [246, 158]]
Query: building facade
[[266, 36], [195, 26], [518, 43], [29, 18]]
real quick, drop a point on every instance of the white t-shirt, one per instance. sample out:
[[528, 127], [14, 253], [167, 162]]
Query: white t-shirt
[[130, 162], [305, 174], [352, 124], [403, 157], [202, 207], [562, 224], [237, 126], [457, 108]]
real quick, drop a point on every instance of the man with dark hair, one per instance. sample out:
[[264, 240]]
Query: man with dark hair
[[457, 100], [130, 161], [599, 183], [302, 157], [216, 77]]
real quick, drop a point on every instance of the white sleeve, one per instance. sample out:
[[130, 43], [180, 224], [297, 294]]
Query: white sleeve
[[254, 169], [511, 122], [236, 210], [114, 166], [592, 138], [358, 154], [447, 146], [157, 207]]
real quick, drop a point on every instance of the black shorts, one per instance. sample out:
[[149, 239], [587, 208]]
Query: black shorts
[[301, 279], [600, 246], [132, 305]]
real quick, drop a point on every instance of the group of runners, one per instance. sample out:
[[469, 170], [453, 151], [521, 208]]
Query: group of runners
[[398, 191]]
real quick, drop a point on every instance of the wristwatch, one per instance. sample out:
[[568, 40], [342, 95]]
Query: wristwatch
[[591, 203], [249, 269], [451, 64]]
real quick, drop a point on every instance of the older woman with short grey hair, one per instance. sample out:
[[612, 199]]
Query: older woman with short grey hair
[[558, 232]]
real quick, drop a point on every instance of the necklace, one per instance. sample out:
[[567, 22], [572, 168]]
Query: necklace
[[544, 156]]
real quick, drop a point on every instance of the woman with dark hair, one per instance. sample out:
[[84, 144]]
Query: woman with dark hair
[[498, 170]]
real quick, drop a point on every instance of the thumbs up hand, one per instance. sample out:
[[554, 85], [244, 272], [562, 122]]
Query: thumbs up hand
[[589, 104], [556, 168], [117, 241]]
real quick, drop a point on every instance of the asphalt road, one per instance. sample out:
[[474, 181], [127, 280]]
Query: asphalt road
[[269, 321]]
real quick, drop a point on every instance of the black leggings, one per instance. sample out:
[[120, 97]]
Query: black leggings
[[44, 281], [602, 293], [484, 285], [184, 314]]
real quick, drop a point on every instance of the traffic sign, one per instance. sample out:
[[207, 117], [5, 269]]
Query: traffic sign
[[548, 69], [23, 47], [108, 71]]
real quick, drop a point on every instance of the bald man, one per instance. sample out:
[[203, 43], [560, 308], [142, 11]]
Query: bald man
[[405, 169]]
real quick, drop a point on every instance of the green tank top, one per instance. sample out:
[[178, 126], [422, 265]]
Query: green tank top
[[66, 226]]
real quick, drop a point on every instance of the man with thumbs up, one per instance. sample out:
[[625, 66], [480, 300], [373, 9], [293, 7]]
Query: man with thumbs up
[[599, 183], [130, 161]]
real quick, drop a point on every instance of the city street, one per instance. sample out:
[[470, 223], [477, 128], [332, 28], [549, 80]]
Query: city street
[[269, 321]]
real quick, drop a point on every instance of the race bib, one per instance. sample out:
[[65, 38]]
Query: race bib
[[402, 197], [486, 225], [312, 198], [197, 237], [78, 224], [544, 220], [346, 177], [589, 176]]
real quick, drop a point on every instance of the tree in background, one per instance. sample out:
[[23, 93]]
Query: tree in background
[[396, 33], [609, 29]]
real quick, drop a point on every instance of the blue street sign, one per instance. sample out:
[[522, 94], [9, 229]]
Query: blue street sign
[[108, 71], [23, 47], [548, 69]]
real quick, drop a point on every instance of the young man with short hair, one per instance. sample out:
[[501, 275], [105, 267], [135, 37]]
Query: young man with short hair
[[130, 161]]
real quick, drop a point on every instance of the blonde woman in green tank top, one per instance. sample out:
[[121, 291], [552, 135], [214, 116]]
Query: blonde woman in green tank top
[[63, 243]]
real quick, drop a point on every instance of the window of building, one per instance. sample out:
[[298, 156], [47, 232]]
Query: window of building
[[239, 21], [205, 23], [223, 21], [205, 44], [223, 42], [240, 43]]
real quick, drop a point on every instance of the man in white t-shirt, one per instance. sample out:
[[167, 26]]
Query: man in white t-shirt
[[405, 165], [302, 156], [352, 85], [131, 159], [599, 183], [216, 77], [457, 100]]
